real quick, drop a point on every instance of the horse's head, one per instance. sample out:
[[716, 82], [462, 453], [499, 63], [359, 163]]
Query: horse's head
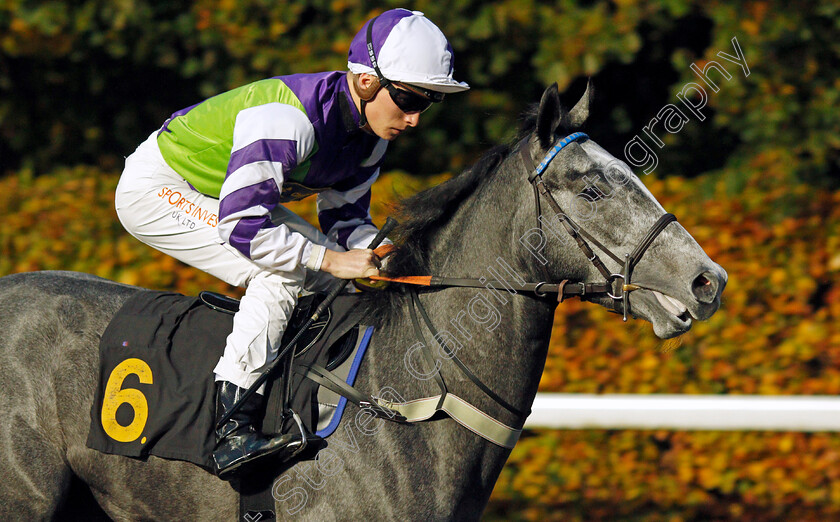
[[674, 281]]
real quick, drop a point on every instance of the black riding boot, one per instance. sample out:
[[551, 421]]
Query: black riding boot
[[238, 442]]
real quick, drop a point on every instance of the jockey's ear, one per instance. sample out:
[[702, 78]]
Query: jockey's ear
[[366, 85], [580, 112], [548, 118]]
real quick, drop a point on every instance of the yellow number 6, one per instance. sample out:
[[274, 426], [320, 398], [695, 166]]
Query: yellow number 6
[[114, 396]]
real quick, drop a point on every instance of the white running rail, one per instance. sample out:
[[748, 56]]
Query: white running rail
[[686, 412]]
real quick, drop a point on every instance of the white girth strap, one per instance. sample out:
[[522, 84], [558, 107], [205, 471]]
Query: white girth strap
[[462, 412]]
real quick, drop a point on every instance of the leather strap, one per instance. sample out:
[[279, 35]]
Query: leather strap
[[462, 412], [409, 280], [526, 155], [654, 231], [384, 250], [575, 231], [418, 410], [415, 302], [427, 354], [329, 380]]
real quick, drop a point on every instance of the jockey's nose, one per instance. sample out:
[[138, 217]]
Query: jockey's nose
[[412, 119]]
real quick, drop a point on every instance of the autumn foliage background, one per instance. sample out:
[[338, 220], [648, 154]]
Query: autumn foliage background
[[757, 184]]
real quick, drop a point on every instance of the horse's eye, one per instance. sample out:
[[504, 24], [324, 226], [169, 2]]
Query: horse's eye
[[592, 194]]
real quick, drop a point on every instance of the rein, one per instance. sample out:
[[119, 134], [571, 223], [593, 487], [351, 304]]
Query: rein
[[564, 289]]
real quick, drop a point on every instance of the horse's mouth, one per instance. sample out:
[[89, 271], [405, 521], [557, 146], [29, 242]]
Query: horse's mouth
[[669, 316], [673, 306]]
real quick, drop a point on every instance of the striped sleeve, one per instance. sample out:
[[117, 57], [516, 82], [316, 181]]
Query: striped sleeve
[[268, 140], [344, 215]]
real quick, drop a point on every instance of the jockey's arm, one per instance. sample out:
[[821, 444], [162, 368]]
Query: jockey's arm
[[268, 142]]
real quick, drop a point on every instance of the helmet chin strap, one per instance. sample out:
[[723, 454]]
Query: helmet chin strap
[[380, 81], [365, 95]]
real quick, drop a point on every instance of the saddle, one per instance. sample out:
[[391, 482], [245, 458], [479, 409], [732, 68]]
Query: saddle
[[156, 386]]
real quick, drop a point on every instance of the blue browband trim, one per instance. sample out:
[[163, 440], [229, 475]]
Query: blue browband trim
[[554, 150]]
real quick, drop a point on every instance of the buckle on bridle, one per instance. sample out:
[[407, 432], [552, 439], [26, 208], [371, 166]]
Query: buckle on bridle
[[624, 297], [612, 279]]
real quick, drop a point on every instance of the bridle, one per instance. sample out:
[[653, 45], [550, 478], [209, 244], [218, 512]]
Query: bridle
[[463, 412], [609, 287]]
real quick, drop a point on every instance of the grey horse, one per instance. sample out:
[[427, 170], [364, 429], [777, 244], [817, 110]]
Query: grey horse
[[479, 224]]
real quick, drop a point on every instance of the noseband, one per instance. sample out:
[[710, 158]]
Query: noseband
[[609, 288]]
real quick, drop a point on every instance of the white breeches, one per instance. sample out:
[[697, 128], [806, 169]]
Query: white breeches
[[159, 208]]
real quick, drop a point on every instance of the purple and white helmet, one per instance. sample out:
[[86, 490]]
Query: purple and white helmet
[[408, 48]]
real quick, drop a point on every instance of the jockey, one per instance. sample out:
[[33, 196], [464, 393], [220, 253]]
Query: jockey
[[207, 187]]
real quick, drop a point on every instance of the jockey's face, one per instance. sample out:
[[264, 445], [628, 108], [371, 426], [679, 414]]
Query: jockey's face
[[386, 119]]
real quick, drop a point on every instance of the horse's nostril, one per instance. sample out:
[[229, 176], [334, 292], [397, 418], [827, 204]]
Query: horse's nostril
[[705, 287]]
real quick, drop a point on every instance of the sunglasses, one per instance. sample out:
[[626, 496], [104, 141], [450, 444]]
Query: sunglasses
[[411, 99]]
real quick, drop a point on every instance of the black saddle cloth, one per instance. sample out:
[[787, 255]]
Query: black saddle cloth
[[155, 394]]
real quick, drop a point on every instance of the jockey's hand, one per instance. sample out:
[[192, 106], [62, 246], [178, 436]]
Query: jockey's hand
[[352, 264]]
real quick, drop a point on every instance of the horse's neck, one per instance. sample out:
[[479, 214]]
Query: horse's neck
[[504, 336]]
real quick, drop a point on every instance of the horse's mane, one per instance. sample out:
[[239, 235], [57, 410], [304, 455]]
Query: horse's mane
[[422, 215]]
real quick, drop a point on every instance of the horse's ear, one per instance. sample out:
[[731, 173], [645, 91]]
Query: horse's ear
[[580, 112], [548, 118]]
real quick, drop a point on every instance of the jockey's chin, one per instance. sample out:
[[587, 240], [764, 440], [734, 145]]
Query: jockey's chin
[[392, 134]]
